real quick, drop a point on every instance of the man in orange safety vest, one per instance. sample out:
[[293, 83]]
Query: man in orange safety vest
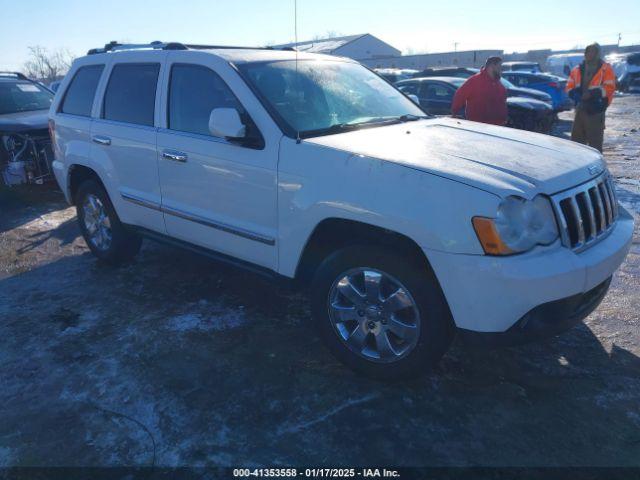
[[591, 86]]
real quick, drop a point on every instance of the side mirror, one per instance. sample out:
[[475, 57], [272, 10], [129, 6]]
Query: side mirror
[[226, 123], [414, 98]]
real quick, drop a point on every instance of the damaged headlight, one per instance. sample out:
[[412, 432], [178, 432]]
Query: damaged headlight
[[519, 225]]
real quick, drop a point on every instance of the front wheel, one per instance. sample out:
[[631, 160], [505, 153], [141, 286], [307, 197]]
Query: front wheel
[[380, 313]]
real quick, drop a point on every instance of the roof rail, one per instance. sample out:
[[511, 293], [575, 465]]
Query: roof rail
[[19, 75], [157, 45]]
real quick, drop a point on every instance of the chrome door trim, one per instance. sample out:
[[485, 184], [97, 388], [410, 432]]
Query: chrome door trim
[[240, 232], [224, 227], [141, 201]]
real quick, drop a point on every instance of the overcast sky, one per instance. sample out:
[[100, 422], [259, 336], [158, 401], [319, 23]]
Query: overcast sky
[[409, 25]]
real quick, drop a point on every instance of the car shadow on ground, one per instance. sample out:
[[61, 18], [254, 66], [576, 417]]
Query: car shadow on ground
[[21, 204], [177, 360]]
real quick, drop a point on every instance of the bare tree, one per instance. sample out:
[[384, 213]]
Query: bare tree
[[327, 34], [47, 66]]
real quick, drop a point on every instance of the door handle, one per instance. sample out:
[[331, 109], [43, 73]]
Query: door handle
[[174, 156], [100, 140]]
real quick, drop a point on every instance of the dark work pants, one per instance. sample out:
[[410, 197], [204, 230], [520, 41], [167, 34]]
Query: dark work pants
[[588, 129]]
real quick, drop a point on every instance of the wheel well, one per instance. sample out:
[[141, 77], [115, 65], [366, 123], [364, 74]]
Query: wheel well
[[335, 233], [78, 174]]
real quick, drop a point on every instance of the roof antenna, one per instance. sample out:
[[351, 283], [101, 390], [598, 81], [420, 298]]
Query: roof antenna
[[295, 35]]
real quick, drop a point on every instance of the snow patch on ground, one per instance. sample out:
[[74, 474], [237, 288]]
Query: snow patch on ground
[[51, 220], [5, 457], [214, 318]]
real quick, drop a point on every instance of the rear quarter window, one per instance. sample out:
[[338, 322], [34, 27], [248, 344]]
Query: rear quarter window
[[78, 98], [131, 93]]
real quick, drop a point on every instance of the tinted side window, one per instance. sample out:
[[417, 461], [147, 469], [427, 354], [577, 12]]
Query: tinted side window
[[131, 93], [439, 92], [78, 99], [193, 92], [409, 88], [517, 80]]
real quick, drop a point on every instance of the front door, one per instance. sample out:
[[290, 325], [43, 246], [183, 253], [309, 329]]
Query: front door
[[216, 193]]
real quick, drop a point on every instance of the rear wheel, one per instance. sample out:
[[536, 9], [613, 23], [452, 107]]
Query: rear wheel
[[101, 228], [380, 313]]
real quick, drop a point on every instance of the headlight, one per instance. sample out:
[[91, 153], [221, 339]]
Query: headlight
[[519, 226]]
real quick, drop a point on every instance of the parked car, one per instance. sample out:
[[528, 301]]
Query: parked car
[[533, 67], [550, 84], [25, 147], [435, 95], [626, 67], [460, 72], [394, 75], [634, 86], [53, 86], [406, 229], [513, 91], [561, 64], [466, 72]]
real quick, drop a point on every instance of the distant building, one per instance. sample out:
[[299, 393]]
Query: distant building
[[359, 47], [470, 58], [541, 56]]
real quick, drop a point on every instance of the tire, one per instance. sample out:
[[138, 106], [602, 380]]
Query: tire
[[120, 245], [429, 312]]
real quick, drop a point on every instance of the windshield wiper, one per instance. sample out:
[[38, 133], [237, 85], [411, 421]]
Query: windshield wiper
[[411, 118], [347, 127], [335, 128]]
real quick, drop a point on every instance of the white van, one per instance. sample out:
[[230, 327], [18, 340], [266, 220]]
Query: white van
[[563, 63]]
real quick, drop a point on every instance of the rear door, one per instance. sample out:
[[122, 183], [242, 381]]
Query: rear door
[[124, 137]]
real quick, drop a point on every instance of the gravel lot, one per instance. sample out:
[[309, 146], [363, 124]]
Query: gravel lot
[[177, 361]]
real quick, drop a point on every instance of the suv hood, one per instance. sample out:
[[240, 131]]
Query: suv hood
[[499, 160], [24, 121]]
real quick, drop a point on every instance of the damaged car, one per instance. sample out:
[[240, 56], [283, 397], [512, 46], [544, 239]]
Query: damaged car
[[25, 145]]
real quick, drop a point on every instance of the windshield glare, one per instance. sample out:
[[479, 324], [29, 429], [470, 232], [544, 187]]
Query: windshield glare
[[319, 94], [23, 97]]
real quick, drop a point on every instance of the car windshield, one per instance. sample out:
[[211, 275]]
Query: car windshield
[[320, 97], [23, 96]]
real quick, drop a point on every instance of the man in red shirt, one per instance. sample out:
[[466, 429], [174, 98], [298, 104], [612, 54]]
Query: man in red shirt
[[482, 96]]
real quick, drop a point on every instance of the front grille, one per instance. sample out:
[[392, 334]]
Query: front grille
[[586, 213]]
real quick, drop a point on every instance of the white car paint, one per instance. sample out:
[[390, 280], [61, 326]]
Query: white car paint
[[425, 180]]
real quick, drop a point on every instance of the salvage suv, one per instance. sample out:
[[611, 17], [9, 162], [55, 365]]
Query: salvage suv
[[406, 228]]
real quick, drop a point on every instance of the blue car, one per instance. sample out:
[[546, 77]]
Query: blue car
[[550, 84]]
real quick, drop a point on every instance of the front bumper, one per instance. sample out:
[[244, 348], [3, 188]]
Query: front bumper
[[491, 294], [543, 321]]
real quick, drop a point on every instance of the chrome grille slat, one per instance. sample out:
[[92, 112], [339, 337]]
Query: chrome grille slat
[[586, 213], [600, 206], [578, 220], [607, 203], [591, 213], [610, 189]]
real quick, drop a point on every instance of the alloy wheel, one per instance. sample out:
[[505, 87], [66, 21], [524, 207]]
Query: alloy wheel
[[374, 314]]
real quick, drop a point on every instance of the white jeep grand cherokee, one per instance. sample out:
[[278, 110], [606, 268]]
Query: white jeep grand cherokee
[[407, 228]]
